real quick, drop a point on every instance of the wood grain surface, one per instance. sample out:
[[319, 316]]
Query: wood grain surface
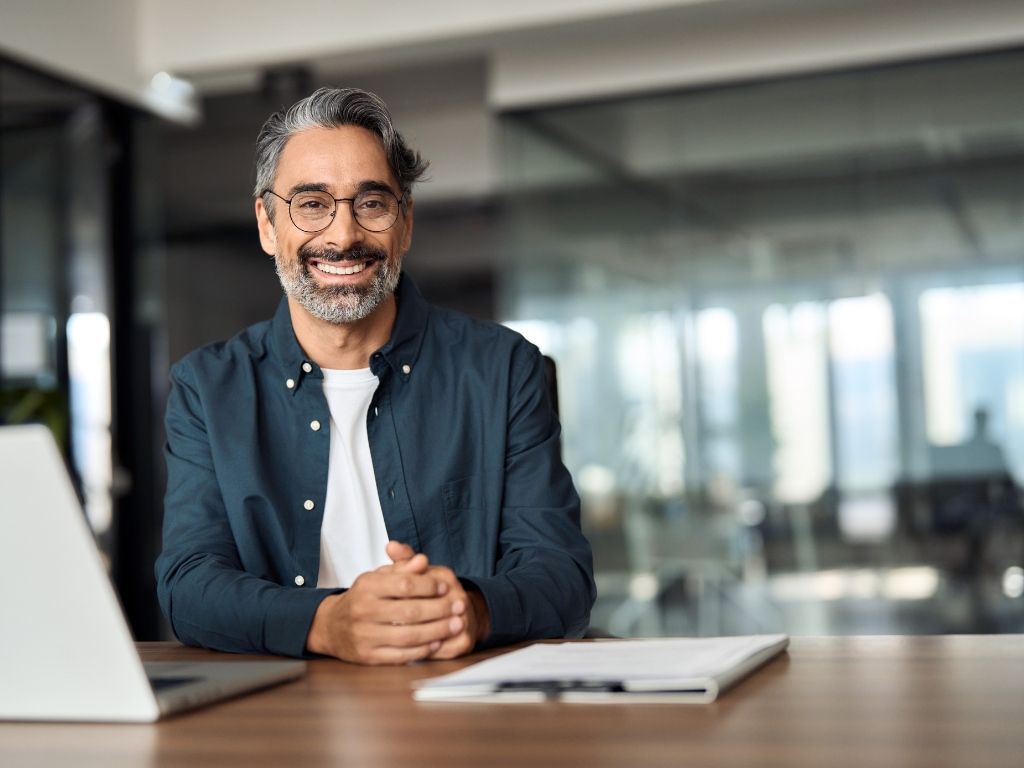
[[853, 701]]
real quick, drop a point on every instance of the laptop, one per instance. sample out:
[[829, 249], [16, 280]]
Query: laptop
[[65, 649]]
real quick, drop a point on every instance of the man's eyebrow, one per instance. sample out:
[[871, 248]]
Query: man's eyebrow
[[369, 185], [373, 185], [307, 186]]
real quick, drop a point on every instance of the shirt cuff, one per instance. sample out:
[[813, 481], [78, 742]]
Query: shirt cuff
[[508, 623], [288, 619]]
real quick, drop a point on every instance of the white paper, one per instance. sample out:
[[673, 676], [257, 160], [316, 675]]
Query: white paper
[[689, 665]]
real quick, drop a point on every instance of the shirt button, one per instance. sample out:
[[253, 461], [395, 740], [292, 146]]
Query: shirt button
[[290, 383], [406, 369], [391, 492], [314, 425], [308, 504], [299, 581], [307, 367]]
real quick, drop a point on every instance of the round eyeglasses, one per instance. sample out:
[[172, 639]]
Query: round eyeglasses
[[374, 210]]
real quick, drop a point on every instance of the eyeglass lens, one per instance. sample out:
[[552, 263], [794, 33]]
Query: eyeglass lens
[[374, 210]]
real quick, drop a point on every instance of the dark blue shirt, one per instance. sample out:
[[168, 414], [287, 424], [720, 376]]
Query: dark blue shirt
[[465, 450]]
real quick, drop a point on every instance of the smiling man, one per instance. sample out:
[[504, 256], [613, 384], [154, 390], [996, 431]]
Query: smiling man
[[364, 476]]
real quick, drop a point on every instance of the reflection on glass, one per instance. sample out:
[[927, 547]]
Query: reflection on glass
[[26, 341], [861, 348], [88, 336], [648, 365], [972, 339], [717, 334], [798, 318], [795, 349]]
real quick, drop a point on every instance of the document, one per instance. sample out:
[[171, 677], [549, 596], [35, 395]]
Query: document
[[691, 669]]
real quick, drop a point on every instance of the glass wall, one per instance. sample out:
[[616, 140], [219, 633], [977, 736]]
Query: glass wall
[[54, 306], [78, 251], [788, 319]]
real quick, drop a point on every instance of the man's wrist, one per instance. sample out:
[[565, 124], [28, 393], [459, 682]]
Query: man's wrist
[[481, 615], [318, 640]]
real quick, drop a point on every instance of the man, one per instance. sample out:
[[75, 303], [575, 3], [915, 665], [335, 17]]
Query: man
[[364, 476]]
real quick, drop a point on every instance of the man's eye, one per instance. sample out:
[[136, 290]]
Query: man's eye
[[310, 204]]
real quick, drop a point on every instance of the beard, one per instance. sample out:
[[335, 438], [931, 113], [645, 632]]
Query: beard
[[339, 303]]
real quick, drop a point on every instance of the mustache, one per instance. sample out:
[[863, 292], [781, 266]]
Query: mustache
[[358, 252]]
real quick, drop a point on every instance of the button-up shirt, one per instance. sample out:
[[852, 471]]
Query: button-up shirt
[[465, 449]]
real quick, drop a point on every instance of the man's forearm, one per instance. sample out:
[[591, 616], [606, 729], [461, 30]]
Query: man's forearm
[[214, 606]]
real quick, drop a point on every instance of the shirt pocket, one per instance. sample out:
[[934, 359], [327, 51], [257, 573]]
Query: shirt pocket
[[463, 506]]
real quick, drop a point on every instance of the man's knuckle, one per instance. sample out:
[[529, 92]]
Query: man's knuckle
[[410, 614], [407, 636]]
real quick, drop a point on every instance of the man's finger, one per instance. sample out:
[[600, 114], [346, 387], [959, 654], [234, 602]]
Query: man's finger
[[416, 564], [398, 551], [453, 647], [413, 611], [414, 635], [398, 584], [389, 655]]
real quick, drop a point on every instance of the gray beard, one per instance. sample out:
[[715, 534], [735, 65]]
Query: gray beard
[[341, 303]]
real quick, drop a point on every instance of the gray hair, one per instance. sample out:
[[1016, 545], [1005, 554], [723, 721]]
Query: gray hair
[[330, 108]]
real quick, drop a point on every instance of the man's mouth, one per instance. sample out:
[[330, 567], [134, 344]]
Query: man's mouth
[[333, 270], [341, 263]]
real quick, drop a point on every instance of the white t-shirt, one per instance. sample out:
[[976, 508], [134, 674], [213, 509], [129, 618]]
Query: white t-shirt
[[352, 536]]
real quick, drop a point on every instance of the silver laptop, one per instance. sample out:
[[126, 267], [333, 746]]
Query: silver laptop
[[65, 650]]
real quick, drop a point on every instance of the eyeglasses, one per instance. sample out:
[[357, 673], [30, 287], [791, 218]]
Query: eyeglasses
[[374, 210]]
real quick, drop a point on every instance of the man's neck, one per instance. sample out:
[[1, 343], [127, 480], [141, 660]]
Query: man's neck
[[343, 346]]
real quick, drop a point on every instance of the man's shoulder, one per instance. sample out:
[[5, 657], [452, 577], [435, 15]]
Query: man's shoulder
[[221, 357], [462, 327], [453, 327]]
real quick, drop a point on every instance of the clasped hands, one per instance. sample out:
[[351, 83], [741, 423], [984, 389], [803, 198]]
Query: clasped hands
[[401, 612]]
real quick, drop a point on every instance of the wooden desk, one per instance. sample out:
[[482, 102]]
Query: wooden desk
[[858, 701]]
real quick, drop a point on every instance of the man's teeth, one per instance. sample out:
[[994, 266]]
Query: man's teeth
[[340, 270]]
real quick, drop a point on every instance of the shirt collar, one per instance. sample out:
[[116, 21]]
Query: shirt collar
[[400, 352], [403, 348]]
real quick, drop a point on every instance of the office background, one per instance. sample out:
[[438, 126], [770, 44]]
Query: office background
[[776, 249]]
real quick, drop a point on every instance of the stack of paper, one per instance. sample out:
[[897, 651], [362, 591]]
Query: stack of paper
[[672, 670]]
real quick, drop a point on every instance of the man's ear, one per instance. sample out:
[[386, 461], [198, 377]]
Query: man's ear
[[268, 235], [407, 235]]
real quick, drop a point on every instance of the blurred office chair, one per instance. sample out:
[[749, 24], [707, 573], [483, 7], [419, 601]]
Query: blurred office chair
[[551, 382]]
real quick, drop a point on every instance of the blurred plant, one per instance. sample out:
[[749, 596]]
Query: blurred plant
[[25, 405]]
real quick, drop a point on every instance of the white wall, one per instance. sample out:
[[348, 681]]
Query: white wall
[[94, 42]]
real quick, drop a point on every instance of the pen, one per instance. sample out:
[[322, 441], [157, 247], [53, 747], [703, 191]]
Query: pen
[[553, 688]]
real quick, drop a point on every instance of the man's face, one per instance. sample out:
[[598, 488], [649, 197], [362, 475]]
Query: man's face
[[344, 272]]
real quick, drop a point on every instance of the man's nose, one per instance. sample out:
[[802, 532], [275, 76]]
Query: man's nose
[[344, 230]]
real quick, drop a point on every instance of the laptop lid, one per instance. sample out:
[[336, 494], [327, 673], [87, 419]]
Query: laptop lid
[[66, 652]]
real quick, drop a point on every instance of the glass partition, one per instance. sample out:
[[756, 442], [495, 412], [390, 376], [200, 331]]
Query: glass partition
[[788, 319], [79, 262]]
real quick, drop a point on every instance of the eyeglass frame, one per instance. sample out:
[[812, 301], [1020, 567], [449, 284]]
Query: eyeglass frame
[[400, 199]]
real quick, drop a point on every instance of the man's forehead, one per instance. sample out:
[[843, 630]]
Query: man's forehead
[[347, 149]]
